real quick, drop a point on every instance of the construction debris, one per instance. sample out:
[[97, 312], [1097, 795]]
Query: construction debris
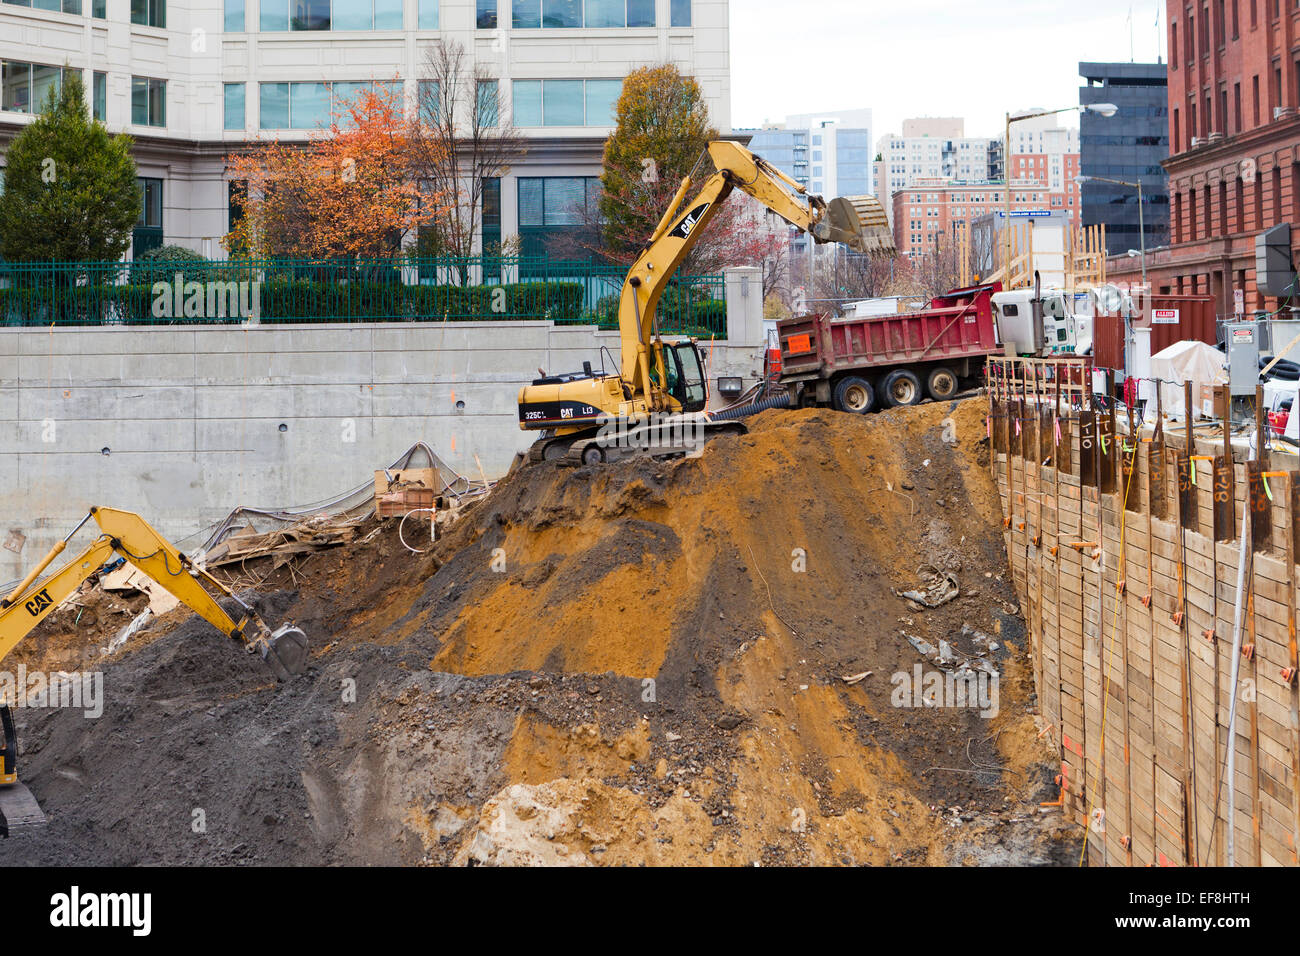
[[283, 545], [937, 587]]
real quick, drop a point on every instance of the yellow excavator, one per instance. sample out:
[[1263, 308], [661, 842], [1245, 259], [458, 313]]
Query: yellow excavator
[[131, 537], [661, 385]]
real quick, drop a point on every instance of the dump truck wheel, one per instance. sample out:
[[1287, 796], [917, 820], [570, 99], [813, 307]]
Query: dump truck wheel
[[942, 384], [855, 395], [902, 388]]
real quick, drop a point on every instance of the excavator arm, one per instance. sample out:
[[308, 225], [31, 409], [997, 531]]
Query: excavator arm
[[130, 536], [859, 223]]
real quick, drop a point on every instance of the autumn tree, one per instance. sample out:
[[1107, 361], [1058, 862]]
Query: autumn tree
[[70, 191], [349, 193], [662, 134], [463, 139]]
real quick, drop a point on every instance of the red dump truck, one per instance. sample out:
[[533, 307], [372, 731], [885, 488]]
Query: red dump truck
[[855, 364]]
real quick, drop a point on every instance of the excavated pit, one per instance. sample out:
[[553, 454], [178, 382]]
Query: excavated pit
[[639, 663]]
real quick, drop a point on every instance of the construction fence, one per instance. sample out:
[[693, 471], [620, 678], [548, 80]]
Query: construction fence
[[153, 292], [1126, 543]]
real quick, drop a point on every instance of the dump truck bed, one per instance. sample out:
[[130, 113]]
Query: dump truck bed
[[957, 327]]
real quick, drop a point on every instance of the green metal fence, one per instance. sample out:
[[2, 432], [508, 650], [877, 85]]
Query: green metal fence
[[148, 292]]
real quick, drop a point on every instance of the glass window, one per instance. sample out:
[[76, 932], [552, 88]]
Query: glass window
[[487, 96], [563, 103], [234, 16], [428, 104], [273, 105], [491, 214], [526, 14], [15, 87], [532, 210], [388, 14], [99, 9], [234, 106], [315, 14], [45, 81], [309, 105], [151, 202], [486, 14], [347, 94], [602, 98], [347, 15], [561, 13], [606, 13], [150, 13], [99, 97], [428, 14], [681, 13], [528, 102], [148, 101], [640, 13], [273, 15]]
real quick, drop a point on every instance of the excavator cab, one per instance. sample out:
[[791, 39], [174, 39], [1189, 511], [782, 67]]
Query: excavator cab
[[684, 374]]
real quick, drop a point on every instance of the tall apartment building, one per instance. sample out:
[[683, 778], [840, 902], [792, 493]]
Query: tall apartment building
[[191, 80], [931, 148], [1128, 146], [1044, 152], [829, 153], [1234, 168]]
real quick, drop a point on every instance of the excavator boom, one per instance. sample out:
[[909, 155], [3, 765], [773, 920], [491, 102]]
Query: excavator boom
[[130, 536]]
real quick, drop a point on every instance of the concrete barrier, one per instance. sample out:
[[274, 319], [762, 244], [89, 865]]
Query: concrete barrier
[[183, 424]]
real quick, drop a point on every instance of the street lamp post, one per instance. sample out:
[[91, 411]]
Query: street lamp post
[[1101, 109], [1142, 232], [1142, 252]]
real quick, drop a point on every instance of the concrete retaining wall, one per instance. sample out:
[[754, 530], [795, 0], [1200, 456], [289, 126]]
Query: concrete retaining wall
[[197, 421]]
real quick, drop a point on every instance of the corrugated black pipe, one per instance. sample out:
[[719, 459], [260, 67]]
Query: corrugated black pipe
[[762, 405]]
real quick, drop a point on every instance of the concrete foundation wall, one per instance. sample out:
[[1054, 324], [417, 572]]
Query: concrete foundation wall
[[191, 418]]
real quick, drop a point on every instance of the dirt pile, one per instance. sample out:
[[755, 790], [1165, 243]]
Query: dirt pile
[[647, 662]]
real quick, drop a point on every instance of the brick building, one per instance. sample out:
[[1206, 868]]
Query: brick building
[[926, 213], [1234, 88]]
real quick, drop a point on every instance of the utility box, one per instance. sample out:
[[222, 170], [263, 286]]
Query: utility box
[[1241, 339]]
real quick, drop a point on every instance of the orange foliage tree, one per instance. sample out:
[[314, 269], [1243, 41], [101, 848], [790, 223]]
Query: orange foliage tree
[[348, 193]]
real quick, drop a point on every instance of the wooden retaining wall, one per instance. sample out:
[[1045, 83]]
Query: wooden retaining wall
[[1127, 572]]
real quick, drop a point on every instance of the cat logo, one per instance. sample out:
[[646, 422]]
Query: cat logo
[[685, 227], [41, 602]]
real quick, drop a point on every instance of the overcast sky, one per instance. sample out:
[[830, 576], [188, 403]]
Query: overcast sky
[[905, 58]]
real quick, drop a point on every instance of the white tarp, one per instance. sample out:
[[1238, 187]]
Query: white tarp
[[1181, 362]]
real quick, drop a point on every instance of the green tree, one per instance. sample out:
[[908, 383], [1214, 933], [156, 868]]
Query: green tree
[[663, 130], [70, 190]]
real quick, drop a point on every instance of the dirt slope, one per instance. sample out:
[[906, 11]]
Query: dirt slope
[[641, 663]]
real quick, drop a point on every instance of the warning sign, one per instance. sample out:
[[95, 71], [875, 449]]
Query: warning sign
[[1164, 317], [799, 343]]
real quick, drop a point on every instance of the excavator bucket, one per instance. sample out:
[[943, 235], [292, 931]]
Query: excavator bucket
[[286, 651], [860, 223]]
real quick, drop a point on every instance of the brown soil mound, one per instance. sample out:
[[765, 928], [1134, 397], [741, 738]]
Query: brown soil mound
[[639, 663]]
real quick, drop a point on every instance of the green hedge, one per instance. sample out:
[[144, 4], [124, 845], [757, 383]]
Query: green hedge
[[297, 300]]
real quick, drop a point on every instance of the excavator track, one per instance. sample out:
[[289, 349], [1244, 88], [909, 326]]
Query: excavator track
[[664, 439]]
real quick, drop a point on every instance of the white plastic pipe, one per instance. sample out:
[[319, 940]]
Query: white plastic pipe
[[1236, 669]]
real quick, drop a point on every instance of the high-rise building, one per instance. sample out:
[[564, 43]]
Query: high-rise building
[[193, 80], [1234, 139], [828, 153], [1045, 153], [1128, 146], [931, 148]]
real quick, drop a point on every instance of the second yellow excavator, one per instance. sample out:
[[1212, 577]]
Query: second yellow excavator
[[660, 385], [129, 536]]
